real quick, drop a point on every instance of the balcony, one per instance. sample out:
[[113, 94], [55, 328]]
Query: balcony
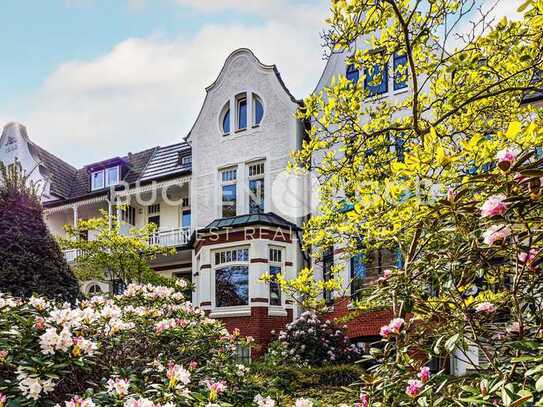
[[171, 238], [71, 255], [168, 238]]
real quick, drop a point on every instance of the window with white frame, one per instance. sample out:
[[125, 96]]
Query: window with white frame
[[258, 110], [247, 111], [153, 209], [241, 121], [105, 178], [228, 192], [128, 215], [231, 277], [256, 187], [276, 268]]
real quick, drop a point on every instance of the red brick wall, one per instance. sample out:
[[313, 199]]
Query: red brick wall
[[366, 324], [259, 325]]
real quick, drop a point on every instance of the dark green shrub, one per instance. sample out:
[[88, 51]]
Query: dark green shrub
[[30, 259], [292, 378]]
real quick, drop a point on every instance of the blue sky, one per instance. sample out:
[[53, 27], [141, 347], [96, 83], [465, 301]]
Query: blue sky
[[96, 78]]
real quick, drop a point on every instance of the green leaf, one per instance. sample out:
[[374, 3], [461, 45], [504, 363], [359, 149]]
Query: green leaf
[[539, 384], [451, 342]]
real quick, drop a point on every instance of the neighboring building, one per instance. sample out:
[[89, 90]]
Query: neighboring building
[[361, 271], [210, 196]]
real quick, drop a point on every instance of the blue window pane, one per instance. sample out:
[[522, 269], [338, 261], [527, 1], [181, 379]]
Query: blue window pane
[[275, 290], [226, 122], [232, 286], [256, 196], [186, 219], [399, 259], [259, 111], [352, 73], [400, 78], [242, 114], [228, 201], [376, 81], [358, 273]]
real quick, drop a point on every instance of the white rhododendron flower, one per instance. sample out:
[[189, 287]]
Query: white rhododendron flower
[[118, 386], [304, 403], [264, 402]]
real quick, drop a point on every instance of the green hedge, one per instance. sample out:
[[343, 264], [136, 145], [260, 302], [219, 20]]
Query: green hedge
[[289, 378]]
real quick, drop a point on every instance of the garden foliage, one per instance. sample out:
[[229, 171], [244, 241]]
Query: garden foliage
[[30, 259]]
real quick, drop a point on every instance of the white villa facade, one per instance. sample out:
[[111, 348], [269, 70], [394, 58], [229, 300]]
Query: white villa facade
[[212, 197]]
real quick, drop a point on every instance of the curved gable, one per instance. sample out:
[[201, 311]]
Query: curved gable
[[231, 63]]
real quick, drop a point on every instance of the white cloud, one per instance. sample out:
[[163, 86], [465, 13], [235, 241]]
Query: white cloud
[[148, 91]]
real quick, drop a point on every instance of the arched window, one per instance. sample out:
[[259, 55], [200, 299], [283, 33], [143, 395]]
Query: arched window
[[259, 110], [226, 121], [242, 113], [94, 289]]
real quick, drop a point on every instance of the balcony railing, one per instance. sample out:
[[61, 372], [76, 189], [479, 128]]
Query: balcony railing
[[171, 238], [71, 255]]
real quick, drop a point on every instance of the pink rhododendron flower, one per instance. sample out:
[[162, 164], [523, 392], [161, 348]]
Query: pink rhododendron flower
[[514, 328], [3, 355], [193, 365], [413, 388], [528, 257], [496, 233], [506, 157], [494, 206], [79, 402], [385, 331], [451, 194], [217, 387], [364, 401], [396, 325], [386, 275], [3, 399], [424, 374], [486, 307]]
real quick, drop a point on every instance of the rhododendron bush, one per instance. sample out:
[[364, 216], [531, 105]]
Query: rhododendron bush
[[312, 341], [146, 347]]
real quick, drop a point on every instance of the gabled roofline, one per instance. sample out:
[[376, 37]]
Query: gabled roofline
[[221, 72]]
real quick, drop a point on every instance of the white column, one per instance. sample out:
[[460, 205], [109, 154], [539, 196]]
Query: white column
[[233, 115], [75, 209], [205, 293], [110, 212], [257, 288]]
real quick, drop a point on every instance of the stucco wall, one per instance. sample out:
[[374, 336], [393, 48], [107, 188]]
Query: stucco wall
[[278, 134]]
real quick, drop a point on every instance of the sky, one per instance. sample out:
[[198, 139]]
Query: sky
[[94, 79]]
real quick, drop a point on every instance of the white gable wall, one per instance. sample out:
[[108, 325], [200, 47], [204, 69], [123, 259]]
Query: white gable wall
[[278, 134], [14, 146]]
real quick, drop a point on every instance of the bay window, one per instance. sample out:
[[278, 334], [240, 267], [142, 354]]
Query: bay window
[[231, 277], [276, 268]]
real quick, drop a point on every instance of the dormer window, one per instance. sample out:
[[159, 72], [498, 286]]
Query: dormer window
[[105, 178], [185, 159]]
